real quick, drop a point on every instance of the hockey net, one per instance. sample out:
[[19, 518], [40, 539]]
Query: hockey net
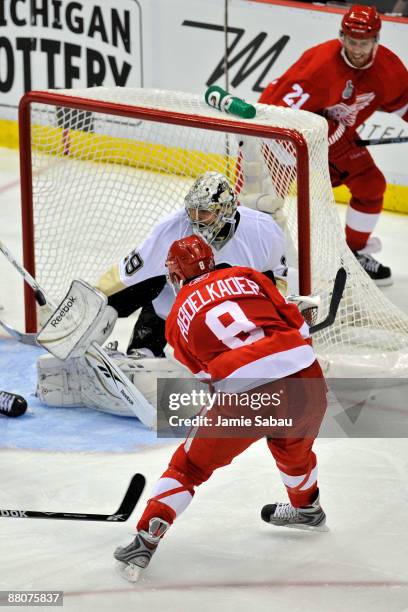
[[100, 167]]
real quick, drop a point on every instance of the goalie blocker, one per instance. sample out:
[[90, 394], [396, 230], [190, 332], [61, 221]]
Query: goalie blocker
[[83, 317]]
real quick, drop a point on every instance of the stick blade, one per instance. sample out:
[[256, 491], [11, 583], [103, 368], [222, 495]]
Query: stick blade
[[40, 298], [338, 289], [132, 496], [337, 294], [25, 338]]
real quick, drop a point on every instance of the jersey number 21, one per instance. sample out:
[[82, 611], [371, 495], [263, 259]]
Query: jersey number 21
[[297, 97]]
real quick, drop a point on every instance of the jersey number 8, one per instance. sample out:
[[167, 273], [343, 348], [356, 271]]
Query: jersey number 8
[[239, 332]]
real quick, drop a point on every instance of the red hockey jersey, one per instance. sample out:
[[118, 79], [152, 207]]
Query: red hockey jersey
[[322, 82], [234, 323]]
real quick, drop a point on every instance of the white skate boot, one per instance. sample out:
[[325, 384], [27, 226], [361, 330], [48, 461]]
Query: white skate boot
[[136, 556]]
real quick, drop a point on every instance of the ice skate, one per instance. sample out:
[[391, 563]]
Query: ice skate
[[380, 274], [136, 556], [310, 517]]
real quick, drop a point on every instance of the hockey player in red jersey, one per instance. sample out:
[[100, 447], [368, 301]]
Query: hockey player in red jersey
[[347, 80], [231, 325]]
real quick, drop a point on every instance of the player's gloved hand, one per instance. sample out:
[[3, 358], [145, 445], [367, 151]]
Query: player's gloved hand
[[341, 140]]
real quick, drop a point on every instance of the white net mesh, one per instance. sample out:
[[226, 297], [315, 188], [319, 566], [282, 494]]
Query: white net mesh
[[102, 181]]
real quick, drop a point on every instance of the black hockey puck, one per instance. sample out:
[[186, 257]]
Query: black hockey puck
[[12, 405]]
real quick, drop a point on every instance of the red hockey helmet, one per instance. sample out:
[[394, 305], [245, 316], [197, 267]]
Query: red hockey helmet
[[188, 258], [361, 22]]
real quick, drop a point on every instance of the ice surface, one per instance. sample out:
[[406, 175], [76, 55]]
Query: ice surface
[[219, 555]]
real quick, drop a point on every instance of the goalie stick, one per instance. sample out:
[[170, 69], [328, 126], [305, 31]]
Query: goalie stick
[[337, 294], [19, 336], [108, 371], [132, 496], [39, 295]]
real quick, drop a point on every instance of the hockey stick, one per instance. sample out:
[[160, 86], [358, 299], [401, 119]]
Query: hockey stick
[[379, 141], [338, 289], [109, 372], [39, 295], [20, 336], [121, 515]]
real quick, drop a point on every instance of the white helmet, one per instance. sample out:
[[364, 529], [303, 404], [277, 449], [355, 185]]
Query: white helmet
[[212, 192]]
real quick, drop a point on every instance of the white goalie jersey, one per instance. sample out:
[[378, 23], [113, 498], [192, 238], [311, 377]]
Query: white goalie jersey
[[258, 242]]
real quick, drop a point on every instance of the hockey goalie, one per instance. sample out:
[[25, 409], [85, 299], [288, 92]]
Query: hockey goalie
[[139, 281]]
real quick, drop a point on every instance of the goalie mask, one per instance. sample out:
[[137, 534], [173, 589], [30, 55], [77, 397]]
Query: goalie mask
[[188, 258], [211, 205]]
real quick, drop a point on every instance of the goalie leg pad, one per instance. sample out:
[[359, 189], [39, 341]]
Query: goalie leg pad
[[144, 372], [58, 383], [74, 382]]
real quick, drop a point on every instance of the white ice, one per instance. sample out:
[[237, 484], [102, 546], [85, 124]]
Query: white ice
[[219, 554]]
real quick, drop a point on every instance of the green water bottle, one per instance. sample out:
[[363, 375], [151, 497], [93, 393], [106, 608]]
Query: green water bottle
[[219, 98]]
